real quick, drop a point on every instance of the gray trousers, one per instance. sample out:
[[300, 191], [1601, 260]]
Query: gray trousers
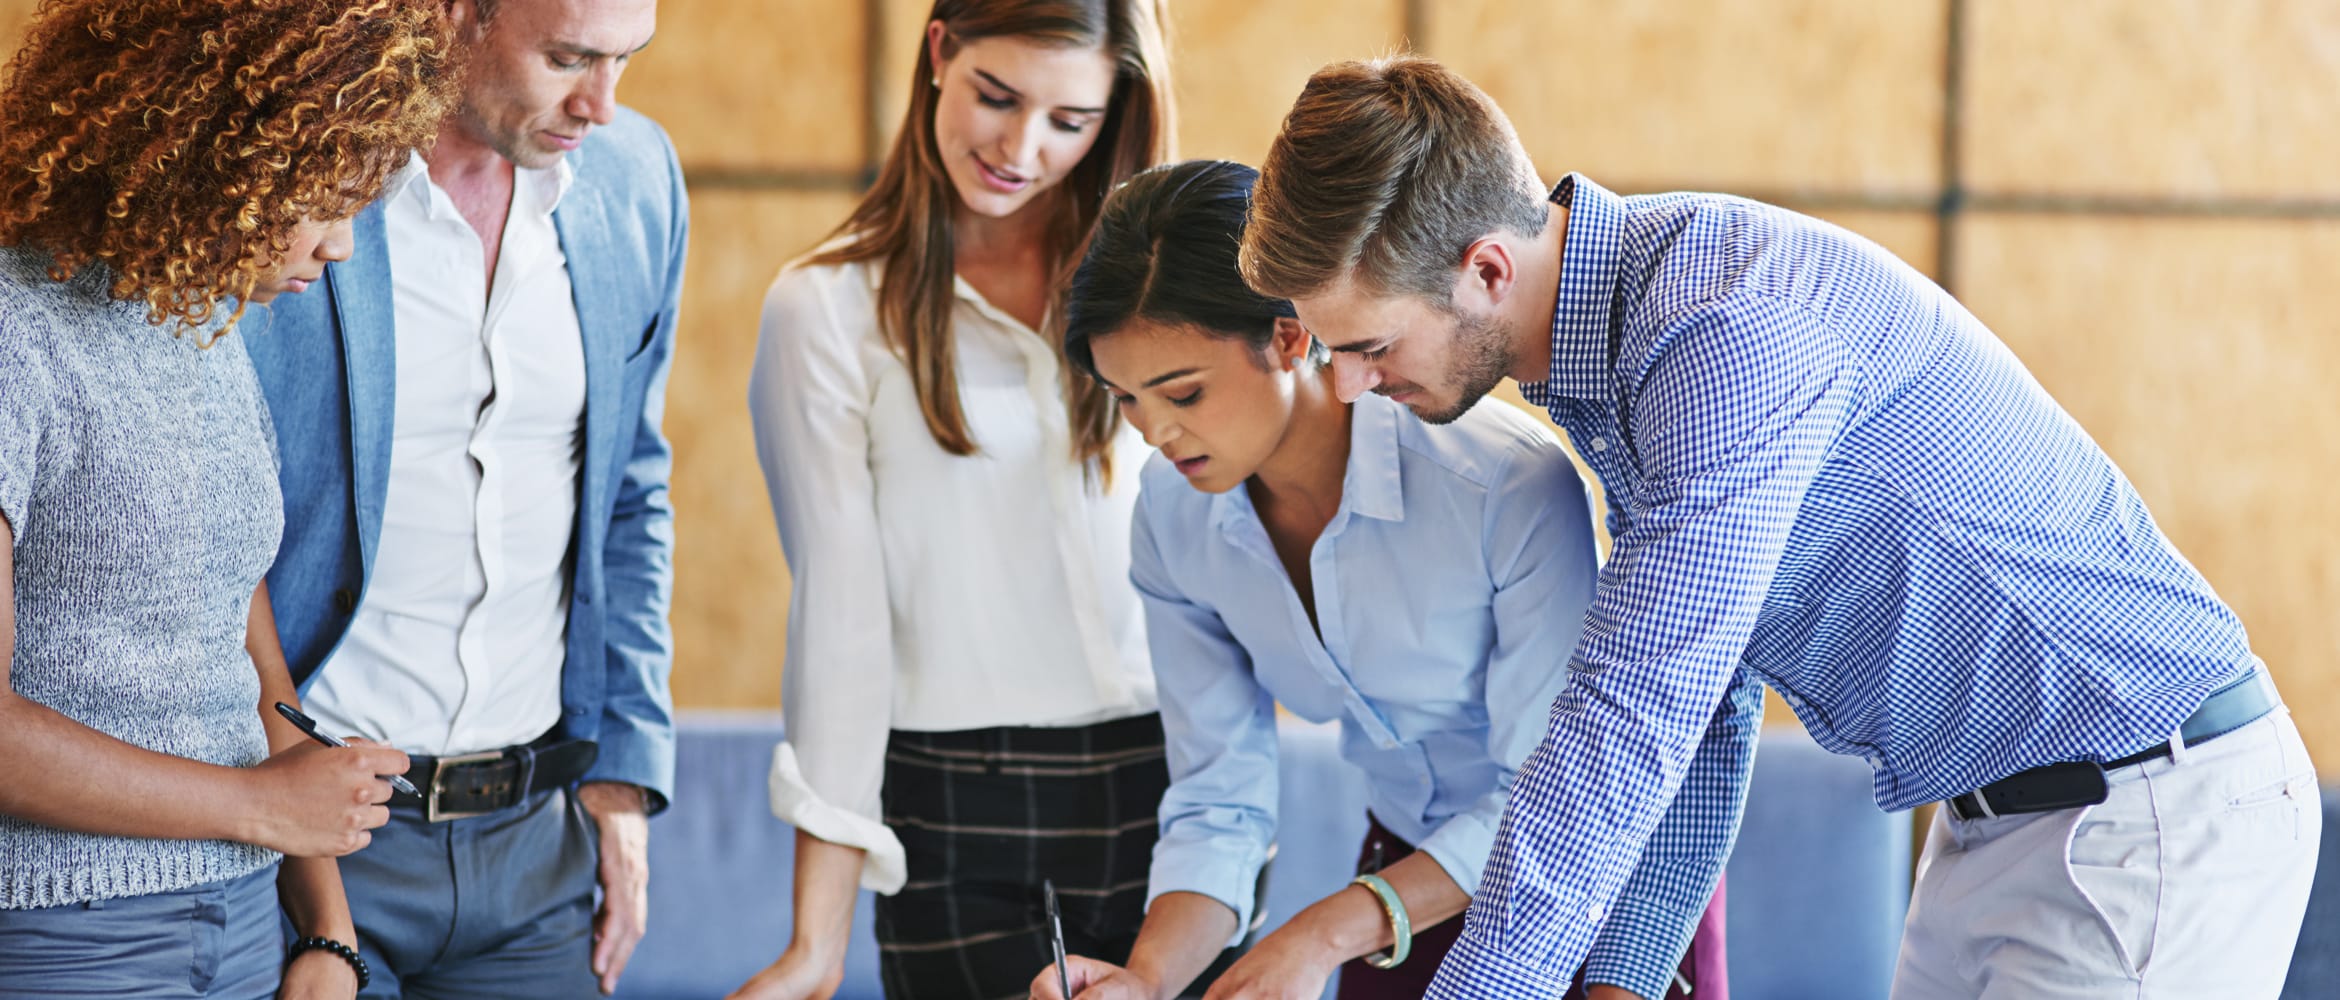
[[212, 942], [497, 906]]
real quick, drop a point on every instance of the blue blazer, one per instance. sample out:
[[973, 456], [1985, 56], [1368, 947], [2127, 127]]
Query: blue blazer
[[327, 366]]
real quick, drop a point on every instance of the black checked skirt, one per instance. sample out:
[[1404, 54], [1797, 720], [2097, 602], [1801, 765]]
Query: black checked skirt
[[984, 815]]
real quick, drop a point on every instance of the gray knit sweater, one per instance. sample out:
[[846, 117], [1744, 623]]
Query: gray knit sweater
[[138, 475]]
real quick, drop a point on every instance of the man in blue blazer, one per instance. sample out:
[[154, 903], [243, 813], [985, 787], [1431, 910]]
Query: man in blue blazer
[[477, 556]]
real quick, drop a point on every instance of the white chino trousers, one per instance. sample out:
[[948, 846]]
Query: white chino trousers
[[2189, 880]]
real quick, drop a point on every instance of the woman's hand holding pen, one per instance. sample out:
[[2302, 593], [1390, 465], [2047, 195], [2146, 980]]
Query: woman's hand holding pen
[[1094, 980], [315, 801]]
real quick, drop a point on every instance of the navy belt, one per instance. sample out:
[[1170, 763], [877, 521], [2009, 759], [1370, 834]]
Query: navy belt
[[2081, 783]]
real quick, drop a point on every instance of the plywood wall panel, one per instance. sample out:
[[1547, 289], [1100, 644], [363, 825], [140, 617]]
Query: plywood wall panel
[[13, 14], [1748, 94], [2154, 97], [748, 85], [2201, 355], [902, 31], [1240, 63], [731, 585]]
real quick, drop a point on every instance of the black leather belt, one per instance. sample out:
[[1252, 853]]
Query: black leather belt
[[475, 784], [2072, 784]]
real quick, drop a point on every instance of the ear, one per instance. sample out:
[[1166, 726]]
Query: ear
[[1290, 342], [1489, 273], [462, 16], [937, 40]]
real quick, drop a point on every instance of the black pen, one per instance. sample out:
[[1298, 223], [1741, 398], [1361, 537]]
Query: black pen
[[1056, 938], [309, 726]]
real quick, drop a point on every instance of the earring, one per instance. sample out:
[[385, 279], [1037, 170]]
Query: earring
[[937, 81]]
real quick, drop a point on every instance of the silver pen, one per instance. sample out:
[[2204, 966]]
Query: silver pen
[[309, 726], [1056, 938]]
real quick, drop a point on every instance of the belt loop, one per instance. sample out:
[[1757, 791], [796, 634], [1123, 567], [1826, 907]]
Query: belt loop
[[1982, 804], [527, 780], [2178, 748]]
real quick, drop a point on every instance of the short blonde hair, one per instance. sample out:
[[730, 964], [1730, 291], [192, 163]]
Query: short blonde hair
[[1386, 169]]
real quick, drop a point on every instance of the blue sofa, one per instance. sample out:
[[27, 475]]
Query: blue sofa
[[1818, 884], [2315, 965]]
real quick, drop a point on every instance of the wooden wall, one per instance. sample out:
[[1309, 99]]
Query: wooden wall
[[2138, 195]]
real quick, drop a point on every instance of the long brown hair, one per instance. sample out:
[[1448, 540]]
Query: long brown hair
[[905, 219]]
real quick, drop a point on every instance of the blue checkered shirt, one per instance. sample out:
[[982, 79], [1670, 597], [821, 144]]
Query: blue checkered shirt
[[1823, 475]]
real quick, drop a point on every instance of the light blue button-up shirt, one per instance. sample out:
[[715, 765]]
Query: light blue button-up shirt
[[1450, 585]]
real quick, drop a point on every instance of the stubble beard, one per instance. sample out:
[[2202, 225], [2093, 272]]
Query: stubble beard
[[1482, 358]]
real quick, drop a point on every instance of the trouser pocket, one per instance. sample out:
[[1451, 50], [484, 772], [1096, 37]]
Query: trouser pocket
[[2114, 863]]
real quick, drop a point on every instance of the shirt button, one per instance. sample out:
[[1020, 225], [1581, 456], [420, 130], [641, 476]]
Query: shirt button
[[1600, 444], [344, 601], [584, 598]]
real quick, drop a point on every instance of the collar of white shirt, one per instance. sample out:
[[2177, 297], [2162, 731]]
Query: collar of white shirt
[[545, 187]]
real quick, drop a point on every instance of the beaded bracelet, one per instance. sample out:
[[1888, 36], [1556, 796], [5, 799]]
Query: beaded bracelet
[[326, 944], [1401, 927]]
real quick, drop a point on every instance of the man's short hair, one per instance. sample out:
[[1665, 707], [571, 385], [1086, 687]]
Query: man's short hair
[[1389, 168]]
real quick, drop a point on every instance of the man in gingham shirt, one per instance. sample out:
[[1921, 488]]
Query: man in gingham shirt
[[1827, 476]]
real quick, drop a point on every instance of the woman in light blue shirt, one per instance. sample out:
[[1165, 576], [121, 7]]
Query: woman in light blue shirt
[[1422, 584]]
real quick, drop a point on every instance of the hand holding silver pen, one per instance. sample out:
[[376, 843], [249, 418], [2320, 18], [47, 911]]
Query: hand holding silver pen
[[308, 725]]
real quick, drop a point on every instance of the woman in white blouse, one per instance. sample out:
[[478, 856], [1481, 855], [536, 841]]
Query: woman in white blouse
[[969, 704]]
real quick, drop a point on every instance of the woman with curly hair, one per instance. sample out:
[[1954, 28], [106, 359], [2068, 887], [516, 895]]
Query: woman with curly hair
[[163, 165]]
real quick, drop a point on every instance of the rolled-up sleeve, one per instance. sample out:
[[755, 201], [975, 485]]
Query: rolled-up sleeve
[[809, 398], [1219, 817]]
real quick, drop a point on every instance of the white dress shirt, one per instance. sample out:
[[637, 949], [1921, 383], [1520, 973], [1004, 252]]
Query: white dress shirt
[[458, 642], [932, 592]]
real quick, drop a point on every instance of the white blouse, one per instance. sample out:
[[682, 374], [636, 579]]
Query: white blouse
[[931, 591]]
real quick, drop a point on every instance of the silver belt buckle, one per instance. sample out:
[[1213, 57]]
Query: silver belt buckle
[[439, 769]]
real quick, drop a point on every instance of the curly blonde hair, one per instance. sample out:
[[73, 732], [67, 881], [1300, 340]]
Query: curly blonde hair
[[181, 142]]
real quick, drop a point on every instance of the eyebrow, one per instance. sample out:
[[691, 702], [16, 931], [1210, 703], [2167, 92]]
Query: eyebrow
[[589, 52], [1013, 92], [1360, 347], [1167, 376], [1152, 382]]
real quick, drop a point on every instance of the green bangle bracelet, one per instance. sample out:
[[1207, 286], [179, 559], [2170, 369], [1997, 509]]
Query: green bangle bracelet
[[1401, 926]]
